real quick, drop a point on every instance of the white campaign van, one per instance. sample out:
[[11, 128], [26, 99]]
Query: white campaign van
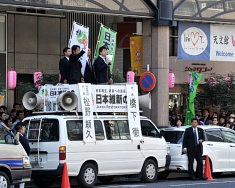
[[102, 147]]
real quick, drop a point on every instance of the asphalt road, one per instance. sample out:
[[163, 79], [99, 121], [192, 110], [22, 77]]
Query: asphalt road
[[175, 180]]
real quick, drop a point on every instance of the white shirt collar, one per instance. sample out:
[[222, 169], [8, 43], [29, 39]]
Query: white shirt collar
[[67, 58], [103, 58]]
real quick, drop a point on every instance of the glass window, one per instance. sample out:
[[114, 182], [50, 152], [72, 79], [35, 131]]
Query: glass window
[[148, 129], [49, 131], [214, 136], [5, 137], [174, 137], [75, 130], [117, 130], [229, 136]]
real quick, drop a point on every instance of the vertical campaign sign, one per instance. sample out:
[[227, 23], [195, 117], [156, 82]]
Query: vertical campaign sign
[[133, 111], [87, 111], [107, 37], [79, 36]]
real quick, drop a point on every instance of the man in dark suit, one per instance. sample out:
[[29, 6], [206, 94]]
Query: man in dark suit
[[64, 66], [20, 127], [101, 66], [192, 146], [75, 65], [88, 74]]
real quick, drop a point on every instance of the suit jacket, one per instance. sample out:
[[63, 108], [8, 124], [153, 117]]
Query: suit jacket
[[189, 140], [24, 142], [102, 71], [64, 69], [206, 122], [88, 74], [75, 67]]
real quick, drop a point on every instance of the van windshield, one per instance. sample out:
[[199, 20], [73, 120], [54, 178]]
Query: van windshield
[[49, 130]]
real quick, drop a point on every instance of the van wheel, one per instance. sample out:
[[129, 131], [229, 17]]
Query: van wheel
[[106, 179], [149, 171], [41, 183], [4, 180], [88, 176]]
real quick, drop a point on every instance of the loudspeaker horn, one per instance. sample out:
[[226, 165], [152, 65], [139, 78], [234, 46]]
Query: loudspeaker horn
[[32, 101], [145, 100], [68, 101]]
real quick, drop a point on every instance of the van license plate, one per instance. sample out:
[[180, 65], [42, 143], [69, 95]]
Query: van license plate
[[38, 159]]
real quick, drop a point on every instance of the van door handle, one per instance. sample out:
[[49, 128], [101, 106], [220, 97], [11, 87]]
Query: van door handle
[[141, 141], [232, 146], [210, 144]]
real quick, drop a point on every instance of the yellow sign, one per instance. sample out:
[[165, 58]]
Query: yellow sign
[[136, 49], [1, 100]]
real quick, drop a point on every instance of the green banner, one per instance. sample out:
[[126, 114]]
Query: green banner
[[107, 37], [195, 79]]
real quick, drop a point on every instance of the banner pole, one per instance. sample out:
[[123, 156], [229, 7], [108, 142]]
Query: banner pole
[[106, 27], [97, 44]]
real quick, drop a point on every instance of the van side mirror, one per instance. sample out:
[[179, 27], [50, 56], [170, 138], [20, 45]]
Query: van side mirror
[[162, 133], [16, 139]]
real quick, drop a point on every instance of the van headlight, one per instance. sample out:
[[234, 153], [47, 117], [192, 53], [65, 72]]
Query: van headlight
[[168, 150], [26, 162]]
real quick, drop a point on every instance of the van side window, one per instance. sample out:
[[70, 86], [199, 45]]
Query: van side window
[[49, 131], [214, 136], [117, 130], [5, 137], [75, 130], [148, 129]]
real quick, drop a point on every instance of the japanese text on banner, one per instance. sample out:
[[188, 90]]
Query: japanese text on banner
[[133, 111], [87, 111]]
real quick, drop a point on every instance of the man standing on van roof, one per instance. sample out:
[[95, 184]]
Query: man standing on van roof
[[192, 144], [75, 65], [64, 66], [101, 65]]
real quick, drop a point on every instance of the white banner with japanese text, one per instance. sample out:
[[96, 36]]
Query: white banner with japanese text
[[87, 111], [109, 98], [222, 47], [133, 111], [80, 36]]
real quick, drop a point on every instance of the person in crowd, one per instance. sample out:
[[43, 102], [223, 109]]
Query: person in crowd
[[75, 65], [16, 106], [198, 117], [64, 66], [232, 122], [101, 66], [88, 74], [22, 107], [13, 115], [215, 114], [214, 121], [206, 117], [178, 122], [3, 116], [192, 144], [45, 132], [8, 123], [19, 118], [222, 121], [228, 125], [20, 127], [4, 109]]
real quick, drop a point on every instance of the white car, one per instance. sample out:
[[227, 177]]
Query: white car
[[219, 145]]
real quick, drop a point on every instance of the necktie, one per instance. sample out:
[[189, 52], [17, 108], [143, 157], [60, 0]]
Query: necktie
[[89, 63], [195, 137]]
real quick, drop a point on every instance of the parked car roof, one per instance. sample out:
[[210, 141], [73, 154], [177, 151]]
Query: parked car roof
[[182, 128]]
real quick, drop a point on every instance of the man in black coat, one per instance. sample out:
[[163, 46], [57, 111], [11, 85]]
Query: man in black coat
[[206, 117], [101, 66], [64, 66], [75, 65], [88, 74], [192, 146], [20, 127]]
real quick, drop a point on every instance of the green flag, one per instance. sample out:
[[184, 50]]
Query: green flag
[[195, 79], [107, 37]]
